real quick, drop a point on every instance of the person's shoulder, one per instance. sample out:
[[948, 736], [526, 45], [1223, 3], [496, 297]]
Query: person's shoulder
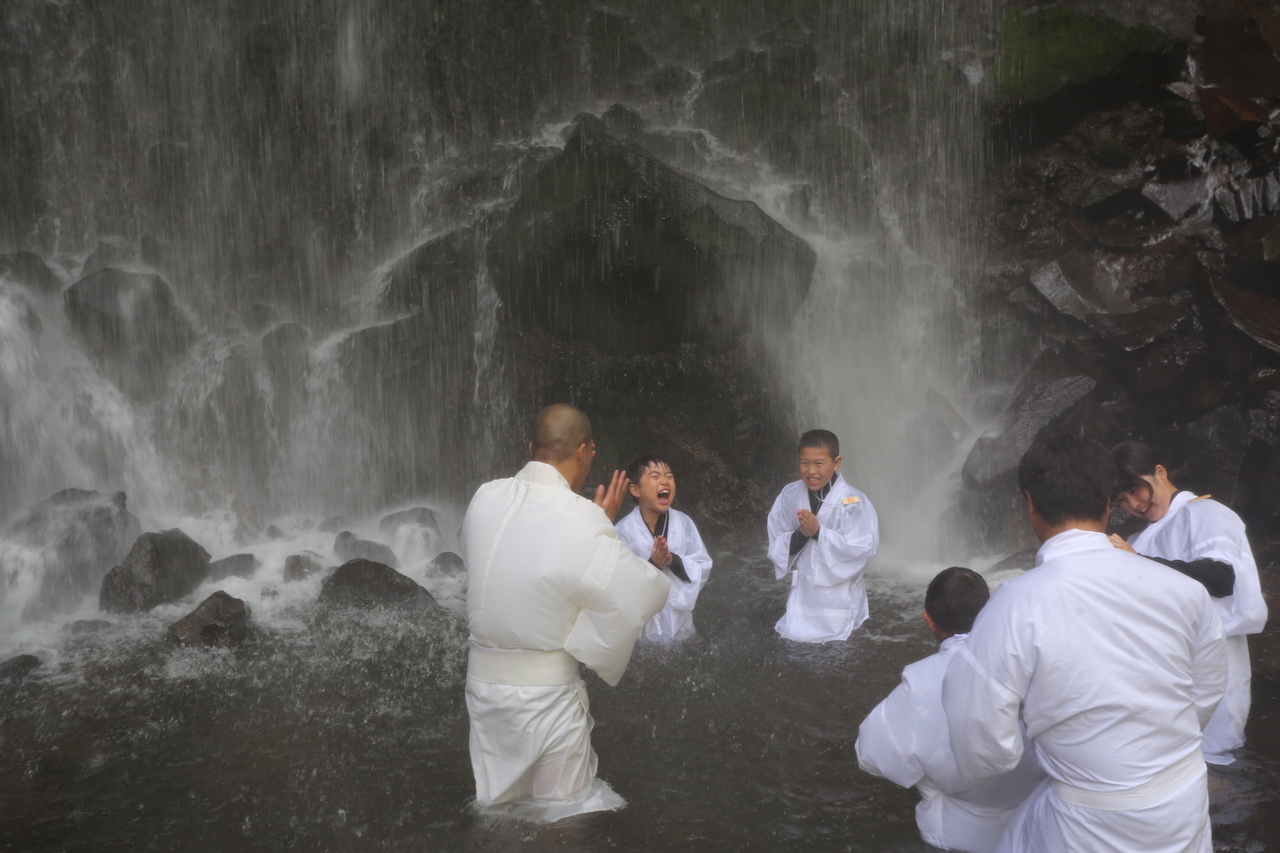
[[927, 670], [682, 517], [1206, 511]]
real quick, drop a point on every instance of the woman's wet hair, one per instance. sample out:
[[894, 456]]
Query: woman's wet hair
[[1137, 459], [1069, 478], [954, 598]]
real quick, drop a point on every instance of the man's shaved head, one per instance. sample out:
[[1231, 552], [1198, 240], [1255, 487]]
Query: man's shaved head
[[559, 431]]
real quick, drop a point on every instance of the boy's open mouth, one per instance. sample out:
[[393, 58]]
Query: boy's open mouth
[[664, 494]]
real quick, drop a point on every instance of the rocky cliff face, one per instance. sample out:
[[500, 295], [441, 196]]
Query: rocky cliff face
[[1135, 238]]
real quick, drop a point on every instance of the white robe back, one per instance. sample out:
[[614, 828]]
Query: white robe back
[[905, 740], [1113, 663], [675, 620]]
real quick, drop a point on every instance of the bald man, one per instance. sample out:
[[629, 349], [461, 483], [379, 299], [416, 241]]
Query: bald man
[[549, 585]]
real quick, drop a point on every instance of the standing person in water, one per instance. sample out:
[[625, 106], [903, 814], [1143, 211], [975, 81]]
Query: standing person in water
[[549, 586], [1110, 663], [823, 532], [669, 540], [1201, 537], [904, 739]]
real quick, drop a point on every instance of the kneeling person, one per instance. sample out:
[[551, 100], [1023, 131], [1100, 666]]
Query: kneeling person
[[668, 539], [905, 738]]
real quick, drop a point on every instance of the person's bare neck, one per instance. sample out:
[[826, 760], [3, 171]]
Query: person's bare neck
[[1046, 531]]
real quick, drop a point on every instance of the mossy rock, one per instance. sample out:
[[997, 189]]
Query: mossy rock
[[1044, 50]]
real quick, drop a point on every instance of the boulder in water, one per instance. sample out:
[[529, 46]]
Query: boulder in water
[[369, 584], [18, 668], [159, 569], [132, 325], [27, 268], [608, 244], [301, 566], [274, 533], [235, 566], [219, 620], [349, 547], [419, 516], [448, 564], [332, 524], [79, 535]]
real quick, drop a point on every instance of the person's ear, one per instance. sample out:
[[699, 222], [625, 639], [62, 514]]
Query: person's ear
[[1031, 505], [531, 450], [835, 466], [928, 620], [1162, 474], [635, 490]]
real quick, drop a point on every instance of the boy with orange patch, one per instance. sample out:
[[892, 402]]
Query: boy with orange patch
[[823, 532], [668, 539]]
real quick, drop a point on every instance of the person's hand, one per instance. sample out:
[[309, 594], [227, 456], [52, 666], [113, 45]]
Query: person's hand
[[808, 522], [1121, 544], [661, 554], [611, 499]]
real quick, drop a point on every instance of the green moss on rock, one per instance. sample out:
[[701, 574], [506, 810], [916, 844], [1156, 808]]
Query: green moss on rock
[[1047, 49]]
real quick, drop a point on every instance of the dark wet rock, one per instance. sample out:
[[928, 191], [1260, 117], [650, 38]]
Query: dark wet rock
[[1045, 50], [235, 566], [28, 269], [1256, 316], [88, 626], [332, 524], [274, 533], [439, 275], [670, 81], [1049, 389], [1142, 328], [623, 121], [301, 566], [219, 620], [1176, 198], [1226, 111], [1052, 283], [746, 97], [1239, 50], [160, 568], [18, 668], [611, 245], [447, 563], [1215, 447], [614, 52], [80, 535], [132, 326], [420, 516], [368, 584], [1020, 561], [1167, 365], [1106, 187], [111, 253], [349, 547]]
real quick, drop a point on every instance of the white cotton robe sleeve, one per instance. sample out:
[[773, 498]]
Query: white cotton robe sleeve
[[782, 523], [617, 595], [982, 694], [880, 747], [1220, 536], [697, 563], [847, 540]]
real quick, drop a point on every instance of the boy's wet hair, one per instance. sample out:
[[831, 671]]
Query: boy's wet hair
[[636, 468], [820, 438], [1068, 477], [954, 598]]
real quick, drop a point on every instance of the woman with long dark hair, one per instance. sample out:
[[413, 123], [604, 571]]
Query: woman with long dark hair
[[1206, 540]]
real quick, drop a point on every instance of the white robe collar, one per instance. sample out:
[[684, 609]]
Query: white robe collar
[[952, 642], [1071, 543], [541, 472], [1180, 500]]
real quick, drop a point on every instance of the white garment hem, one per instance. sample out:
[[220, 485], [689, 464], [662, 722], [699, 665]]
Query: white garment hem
[[597, 797]]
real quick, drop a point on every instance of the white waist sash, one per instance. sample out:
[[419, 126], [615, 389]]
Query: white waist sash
[[1158, 787], [522, 666]]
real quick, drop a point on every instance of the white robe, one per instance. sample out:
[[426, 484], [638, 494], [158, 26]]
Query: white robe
[[675, 620], [549, 584], [904, 739], [1200, 528], [828, 599], [1113, 663]]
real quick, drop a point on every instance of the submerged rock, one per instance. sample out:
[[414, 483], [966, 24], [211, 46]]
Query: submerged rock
[[18, 668], [419, 516], [219, 620], [349, 547], [159, 569], [132, 325], [447, 563], [236, 566], [79, 535], [301, 566], [368, 584], [611, 245], [332, 524], [27, 268]]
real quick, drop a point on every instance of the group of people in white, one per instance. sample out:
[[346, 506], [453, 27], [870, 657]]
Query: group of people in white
[[1064, 714]]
